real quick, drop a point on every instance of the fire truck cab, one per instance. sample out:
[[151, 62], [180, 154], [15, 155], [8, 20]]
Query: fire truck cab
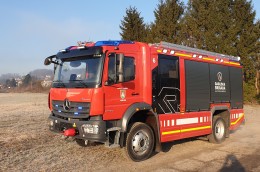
[[137, 95]]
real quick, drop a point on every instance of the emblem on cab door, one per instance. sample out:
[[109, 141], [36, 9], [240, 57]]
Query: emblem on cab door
[[122, 95]]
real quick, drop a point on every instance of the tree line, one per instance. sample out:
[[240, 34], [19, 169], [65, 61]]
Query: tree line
[[27, 80], [223, 26], [27, 83]]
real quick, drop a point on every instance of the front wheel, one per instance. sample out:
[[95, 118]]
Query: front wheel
[[218, 134], [139, 142]]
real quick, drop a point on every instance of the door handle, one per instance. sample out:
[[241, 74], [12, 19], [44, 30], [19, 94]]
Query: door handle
[[135, 94]]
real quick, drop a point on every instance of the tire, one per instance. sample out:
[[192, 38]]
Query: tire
[[139, 142], [219, 130]]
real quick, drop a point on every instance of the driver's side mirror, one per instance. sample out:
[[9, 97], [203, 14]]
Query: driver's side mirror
[[49, 60]]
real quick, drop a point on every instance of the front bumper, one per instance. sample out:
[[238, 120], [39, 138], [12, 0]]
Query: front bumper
[[59, 125]]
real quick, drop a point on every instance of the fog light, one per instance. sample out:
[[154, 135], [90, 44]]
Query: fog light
[[51, 123], [90, 129]]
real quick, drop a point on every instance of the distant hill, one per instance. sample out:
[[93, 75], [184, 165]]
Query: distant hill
[[6, 76], [39, 74]]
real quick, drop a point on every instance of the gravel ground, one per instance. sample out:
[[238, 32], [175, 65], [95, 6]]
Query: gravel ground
[[27, 145]]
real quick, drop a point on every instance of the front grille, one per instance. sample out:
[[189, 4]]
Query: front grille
[[76, 109]]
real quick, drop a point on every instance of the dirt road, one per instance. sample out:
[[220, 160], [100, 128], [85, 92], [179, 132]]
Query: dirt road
[[27, 145]]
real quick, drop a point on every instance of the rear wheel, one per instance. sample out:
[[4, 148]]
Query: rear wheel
[[218, 134], [139, 142]]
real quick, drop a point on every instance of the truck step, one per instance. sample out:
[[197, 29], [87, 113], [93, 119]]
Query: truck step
[[115, 144]]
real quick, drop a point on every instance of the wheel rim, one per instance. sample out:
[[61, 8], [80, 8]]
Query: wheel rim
[[140, 142], [219, 130]]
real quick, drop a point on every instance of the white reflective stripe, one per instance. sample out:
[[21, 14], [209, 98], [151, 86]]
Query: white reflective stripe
[[236, 115], [187, 121], [171, 122], [167, 123]]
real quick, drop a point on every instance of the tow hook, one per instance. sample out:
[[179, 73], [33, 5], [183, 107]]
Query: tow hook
[[69, 132]]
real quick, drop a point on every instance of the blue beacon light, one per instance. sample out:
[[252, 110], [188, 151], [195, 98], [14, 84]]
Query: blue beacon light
[[112, 43]]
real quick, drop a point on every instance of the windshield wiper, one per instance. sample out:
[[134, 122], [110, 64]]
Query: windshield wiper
[[81, 82], [60, 84]]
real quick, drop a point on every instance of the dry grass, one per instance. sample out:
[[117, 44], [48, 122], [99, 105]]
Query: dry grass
[[26, 144]]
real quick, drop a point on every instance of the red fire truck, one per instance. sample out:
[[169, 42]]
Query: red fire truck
[[137, 95]]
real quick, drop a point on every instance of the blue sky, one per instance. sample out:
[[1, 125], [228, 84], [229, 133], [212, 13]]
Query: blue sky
[[32, 30]]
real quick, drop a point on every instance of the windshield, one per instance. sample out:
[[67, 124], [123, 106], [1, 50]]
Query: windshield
[[78, 72]]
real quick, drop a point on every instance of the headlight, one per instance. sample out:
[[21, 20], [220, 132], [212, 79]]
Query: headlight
[[90, 129]]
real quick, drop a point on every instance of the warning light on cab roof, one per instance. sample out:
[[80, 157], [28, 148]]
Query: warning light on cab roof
[[112, 43]]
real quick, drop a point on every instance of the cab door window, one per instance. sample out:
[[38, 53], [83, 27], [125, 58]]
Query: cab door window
[[129, 69], [111, 70]]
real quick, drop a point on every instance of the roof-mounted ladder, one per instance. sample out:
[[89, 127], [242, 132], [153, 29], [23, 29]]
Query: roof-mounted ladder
[[195, 50]]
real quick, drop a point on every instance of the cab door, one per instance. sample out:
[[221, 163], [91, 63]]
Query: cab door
[[119, 96], [166, 95], [166, 85]]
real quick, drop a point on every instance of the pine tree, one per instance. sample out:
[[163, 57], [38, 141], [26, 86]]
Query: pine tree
[[166, 26], [201, 23], [247, 34], [13, 83], [149, 36], [7, 82], [224, 26], [256, 59], [10, 83], [132, 26], [27, 80]]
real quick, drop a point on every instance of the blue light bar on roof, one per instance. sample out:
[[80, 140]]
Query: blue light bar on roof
[[112, 43]]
